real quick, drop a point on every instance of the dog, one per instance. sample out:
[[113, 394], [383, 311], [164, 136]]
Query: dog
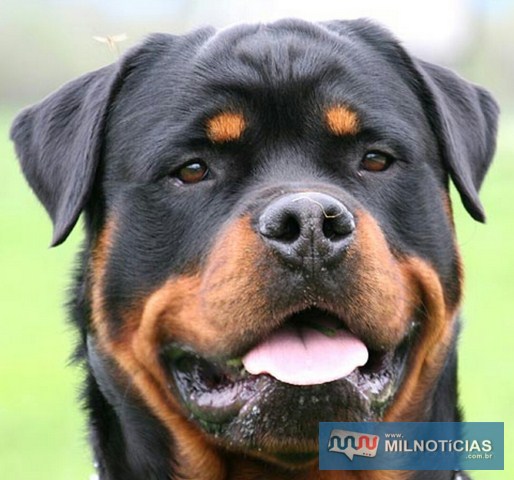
[[269, 242]]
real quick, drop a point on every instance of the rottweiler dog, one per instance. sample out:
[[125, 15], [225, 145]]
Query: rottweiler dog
[[269, 242]]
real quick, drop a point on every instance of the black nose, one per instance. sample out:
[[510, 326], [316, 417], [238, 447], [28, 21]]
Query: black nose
[[307, 227]]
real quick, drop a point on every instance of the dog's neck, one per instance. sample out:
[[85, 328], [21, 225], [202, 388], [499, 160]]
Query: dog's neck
[[131, 444]]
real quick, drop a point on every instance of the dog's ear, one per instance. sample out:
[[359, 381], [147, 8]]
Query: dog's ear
[[463, 116], [59, 140]]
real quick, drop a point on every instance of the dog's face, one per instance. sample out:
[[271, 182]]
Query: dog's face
[[270, 241]]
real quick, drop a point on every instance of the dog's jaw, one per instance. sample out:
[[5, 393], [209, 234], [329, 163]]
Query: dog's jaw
[[135, 356]]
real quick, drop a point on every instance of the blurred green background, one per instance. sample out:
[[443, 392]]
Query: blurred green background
[[45, 43]]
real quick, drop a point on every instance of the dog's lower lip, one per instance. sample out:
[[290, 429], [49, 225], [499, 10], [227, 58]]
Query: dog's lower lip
[[212, 393]]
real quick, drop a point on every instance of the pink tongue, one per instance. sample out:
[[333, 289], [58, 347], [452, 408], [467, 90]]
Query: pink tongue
[[305, 356]]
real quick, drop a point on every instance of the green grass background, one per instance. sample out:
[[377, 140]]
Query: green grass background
[[42, 430]]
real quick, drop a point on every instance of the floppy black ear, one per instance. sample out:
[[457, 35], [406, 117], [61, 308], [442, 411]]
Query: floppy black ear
[[58, 142], [464, 118]]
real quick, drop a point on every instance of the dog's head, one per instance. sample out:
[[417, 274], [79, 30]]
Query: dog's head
[[270, 241]]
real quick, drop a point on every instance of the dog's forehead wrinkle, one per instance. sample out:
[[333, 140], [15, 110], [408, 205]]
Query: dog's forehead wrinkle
[[273, 52], [241, 34]]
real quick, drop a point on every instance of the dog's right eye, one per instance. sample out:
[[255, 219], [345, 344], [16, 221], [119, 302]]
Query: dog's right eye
[[192, 172]]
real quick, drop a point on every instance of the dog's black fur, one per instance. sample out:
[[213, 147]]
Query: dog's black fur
[[110, 144]]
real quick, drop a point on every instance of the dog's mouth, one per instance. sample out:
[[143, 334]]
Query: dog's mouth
[[311, 358]]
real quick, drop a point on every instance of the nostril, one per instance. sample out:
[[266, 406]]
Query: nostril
[[329, 230], [281, 226], [335, 228], [290, 230]]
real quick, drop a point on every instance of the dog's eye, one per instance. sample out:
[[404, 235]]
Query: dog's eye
[[193, 172], [375, 161]]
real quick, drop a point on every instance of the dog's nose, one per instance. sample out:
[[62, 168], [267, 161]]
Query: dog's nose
[[307, 227]]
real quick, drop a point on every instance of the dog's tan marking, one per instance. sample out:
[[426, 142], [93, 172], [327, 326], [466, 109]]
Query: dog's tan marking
[[430, 351], [226, 127], [378, 288], [175, 312], [406, 283], [135, 354], [341, 120]]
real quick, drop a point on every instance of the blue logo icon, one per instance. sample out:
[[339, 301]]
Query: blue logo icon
[[353, 443]]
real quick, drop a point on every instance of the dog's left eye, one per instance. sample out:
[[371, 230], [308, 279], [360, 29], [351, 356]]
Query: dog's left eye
[[192, 172], [376, 161]]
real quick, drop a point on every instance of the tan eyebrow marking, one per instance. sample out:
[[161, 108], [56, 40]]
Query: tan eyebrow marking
[[341, 120], [226, 126]]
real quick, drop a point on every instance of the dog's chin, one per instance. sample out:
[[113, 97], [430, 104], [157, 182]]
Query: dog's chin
[[277, 421]]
